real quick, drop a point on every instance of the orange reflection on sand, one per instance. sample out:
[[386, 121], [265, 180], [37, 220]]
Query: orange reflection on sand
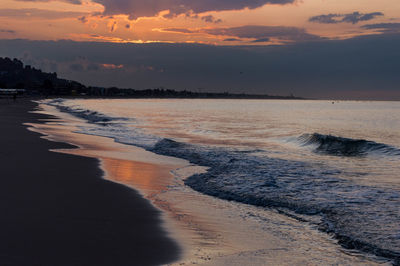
[[154, 180], [144, 176]]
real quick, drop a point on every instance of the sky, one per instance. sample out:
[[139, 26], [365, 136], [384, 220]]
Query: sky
[[312, 48]]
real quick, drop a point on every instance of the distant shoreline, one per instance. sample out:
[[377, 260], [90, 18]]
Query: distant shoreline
[[233, 97]]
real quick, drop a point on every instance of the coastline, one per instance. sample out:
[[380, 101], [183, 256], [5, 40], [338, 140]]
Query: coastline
[[209, 230], [58, 210]]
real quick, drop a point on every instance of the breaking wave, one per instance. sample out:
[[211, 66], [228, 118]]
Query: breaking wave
[[340, 146], [88, 115]]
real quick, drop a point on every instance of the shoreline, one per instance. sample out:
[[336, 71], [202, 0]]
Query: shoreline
[[211, 231], [58, 210]]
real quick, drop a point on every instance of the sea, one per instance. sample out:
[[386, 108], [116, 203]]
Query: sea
[[332, 164]]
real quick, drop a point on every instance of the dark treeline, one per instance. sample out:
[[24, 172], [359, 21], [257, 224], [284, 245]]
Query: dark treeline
[[167, 93], [14, 75]]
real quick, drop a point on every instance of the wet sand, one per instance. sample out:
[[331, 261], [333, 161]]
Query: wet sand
[[56, 209]]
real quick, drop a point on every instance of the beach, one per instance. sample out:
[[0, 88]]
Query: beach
[[84, 199], [57, 209], [209, 230]]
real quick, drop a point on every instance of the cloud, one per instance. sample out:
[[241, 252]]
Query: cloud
[[353, 18], [211, 19], [7, 31], [384, 27], [180, 30], [112, 66], [256, 32], [232, 40], [145, 8], [112, 25], [261, 40], [83, 19], [39, 13], [263, 33], [325, 19]]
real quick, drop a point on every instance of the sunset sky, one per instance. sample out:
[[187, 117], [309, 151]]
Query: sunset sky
[[231, 24]]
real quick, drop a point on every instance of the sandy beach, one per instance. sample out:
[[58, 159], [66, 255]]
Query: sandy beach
[[94, 201], [57, 210]]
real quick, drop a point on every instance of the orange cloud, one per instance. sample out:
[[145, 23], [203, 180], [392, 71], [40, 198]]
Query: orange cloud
[[112, 66]]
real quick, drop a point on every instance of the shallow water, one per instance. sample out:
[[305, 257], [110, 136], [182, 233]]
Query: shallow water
[[331, 165]]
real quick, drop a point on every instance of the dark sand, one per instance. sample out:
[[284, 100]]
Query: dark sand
[[55, 209]]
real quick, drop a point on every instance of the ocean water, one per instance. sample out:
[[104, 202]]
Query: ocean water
[[332, 164]]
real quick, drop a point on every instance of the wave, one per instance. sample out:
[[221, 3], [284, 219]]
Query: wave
[[340, 146], [88, 115], [299, 188], [291, 187]]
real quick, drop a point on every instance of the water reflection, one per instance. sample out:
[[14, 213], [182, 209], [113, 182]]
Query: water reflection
[[144, 176]]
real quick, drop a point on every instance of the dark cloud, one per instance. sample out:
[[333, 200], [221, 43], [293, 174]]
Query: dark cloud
[[257, 32], [327, 68], [211, 19], [232, 40], [356, 17], [113, 26], [26, 13], [145, 8], [83, 19], [353, 18], [325, 19], [384, 27], [7, 31], [261, 40], [179, 30]]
